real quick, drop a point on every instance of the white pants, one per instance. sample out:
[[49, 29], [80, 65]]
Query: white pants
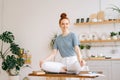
[[71, 63]]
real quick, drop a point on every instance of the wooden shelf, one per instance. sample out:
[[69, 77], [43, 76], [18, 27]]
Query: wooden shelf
[[92, 23], [89, 41]]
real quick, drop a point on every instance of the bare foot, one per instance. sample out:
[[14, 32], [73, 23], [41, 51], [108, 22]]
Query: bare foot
[[64, 69]]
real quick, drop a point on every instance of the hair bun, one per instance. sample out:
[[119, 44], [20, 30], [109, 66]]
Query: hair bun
[[63, 15]]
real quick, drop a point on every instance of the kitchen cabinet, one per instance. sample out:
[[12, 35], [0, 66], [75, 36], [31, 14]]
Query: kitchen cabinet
[[115, 70], [110, 68], [104, 66]]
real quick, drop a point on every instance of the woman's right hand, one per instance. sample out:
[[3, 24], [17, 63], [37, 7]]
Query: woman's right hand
[[82, 62]]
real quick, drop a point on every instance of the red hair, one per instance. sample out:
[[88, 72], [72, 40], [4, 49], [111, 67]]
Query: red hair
[[63, 16]]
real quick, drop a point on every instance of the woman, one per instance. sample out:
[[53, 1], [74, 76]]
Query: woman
[[67, 45]]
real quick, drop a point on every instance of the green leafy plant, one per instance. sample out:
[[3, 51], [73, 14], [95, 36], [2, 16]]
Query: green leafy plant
[[10, 54], [113, 34], [81, 46], [119, 33], [115, 8]]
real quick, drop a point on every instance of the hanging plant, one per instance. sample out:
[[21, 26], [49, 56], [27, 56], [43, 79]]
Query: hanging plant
[[53, 41]]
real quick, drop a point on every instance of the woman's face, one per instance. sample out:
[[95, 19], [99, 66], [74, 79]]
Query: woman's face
[[64, 24]]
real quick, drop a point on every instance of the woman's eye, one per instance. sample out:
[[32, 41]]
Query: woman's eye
[[66, 23]]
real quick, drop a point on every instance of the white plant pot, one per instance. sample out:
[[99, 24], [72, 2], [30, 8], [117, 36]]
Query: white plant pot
[[14, 77], [114, 37], [118, 36]]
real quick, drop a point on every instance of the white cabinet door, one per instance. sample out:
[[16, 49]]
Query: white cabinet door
[[104, 66], [115, 70]]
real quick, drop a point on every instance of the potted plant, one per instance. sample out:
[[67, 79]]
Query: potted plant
[[84, 46], [81, 46], [119, 33], [88, 46], [88, 50], [113, 35], [10, 55]]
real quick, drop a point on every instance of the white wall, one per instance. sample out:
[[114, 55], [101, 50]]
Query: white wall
[[35, 21], [0, 15]]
